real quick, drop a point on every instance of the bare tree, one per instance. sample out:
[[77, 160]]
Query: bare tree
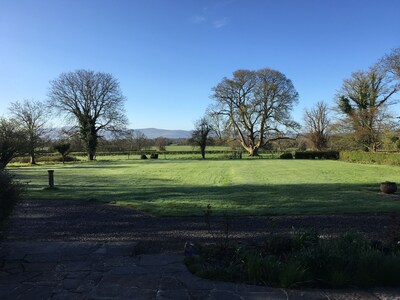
[[392, 62], [219, 124], [161, 143], [33, 116], [256, 105], [363, 100], [94, 99], [317, 121], [139, 139], [200, 135], [12, 141]]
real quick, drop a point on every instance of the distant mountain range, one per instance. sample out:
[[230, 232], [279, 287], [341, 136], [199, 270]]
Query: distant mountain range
[[151, 133]]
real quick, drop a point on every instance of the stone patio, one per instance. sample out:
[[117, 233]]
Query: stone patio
[[111, 270]]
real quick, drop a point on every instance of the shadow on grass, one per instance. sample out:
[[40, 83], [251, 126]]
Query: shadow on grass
[[158, 197]]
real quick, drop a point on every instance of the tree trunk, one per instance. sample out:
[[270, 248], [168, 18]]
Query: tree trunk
[[203, 152], [253, 151], [33, 158], [89, 136]]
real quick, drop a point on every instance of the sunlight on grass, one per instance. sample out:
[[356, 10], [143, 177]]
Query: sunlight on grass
[[250, 187]]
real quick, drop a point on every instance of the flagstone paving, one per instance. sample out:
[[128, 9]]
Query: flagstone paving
[[82, 270], [33, 267]]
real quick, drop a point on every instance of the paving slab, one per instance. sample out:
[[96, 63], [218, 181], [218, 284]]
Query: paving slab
[[50, 270], [85, 254]]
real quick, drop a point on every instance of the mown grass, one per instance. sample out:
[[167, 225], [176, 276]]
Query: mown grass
[[245, 187]]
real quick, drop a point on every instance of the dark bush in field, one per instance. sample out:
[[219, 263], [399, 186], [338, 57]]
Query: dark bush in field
[[317, 155], [286, 156], [9, 194]]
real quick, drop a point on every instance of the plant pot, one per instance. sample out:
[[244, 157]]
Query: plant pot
[[388, 187]]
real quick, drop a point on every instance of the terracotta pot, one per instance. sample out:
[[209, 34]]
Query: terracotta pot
[[388, 187]]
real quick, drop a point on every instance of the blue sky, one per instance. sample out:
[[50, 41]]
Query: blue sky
[[167, 55]]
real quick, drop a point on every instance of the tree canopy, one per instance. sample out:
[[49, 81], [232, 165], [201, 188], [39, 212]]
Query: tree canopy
[[317, 121], [94, 99], [363, 99], [200, 135], [12, 141], [32, 116], [256, 105]]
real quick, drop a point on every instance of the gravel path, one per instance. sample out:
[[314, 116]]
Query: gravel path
[[49, 220]]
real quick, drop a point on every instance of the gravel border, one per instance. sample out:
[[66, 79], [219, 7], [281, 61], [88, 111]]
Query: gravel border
[[56, 220]]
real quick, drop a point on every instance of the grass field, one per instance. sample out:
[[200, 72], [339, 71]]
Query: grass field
[[246, 187]]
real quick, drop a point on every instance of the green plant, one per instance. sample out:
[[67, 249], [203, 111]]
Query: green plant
[[392, 235], [305, 238], [278, 244], [255, 267], [10, 192], [292, 274], [338, 262]]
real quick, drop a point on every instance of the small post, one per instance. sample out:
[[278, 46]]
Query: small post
[[51, 178]]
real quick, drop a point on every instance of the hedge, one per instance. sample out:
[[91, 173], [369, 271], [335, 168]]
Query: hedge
[[380, 158], [317, 154], [286, 156]]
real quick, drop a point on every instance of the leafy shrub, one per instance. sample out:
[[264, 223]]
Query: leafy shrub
[[317, 154], [9, 194], [292, 273], [278, 244], [304, 259], [380, 158], [286, 156]]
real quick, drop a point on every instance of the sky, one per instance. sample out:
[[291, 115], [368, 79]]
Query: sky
[[168, 54]]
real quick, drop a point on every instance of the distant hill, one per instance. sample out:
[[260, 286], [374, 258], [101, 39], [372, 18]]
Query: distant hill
[[152, 133]]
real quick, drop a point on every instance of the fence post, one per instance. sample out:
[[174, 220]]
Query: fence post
[[51, 178]]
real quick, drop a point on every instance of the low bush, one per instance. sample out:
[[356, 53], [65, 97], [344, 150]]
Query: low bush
[[9, 194], [380, 158], [303, 260], [317, 155]]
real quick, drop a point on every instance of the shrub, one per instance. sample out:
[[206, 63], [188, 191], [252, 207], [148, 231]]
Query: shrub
[[317, 154], [286, 156], [380, 158], [9, 194], [278, 244], [303, 260]]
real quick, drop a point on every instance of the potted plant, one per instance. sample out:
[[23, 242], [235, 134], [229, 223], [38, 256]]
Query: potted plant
[[388, 187]]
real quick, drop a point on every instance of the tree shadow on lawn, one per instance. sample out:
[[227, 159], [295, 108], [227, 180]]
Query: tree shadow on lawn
[[162, 199]]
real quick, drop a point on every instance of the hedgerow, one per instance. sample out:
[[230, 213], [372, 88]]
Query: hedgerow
[[380, 158]]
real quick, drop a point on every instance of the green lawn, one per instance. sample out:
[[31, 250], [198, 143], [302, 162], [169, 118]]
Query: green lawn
[[247, 187]]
